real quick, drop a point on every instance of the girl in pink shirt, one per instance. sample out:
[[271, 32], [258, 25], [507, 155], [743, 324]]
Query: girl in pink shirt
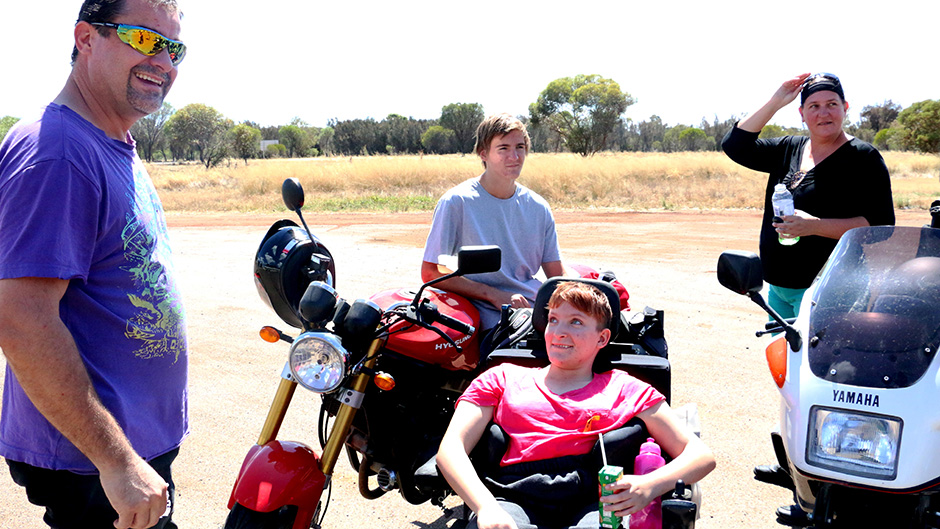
[[552, 417]]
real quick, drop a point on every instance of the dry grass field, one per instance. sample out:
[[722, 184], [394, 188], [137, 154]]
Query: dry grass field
[[612, 181]]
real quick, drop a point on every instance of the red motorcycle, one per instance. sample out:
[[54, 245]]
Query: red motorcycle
[[389, 371]]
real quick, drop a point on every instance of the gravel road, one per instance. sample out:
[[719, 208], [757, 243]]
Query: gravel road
[[666, 260]]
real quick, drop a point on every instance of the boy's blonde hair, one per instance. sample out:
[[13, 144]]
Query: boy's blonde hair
[[584, 297]]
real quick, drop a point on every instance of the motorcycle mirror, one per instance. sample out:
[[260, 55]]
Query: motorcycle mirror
[[478, 259], [740, 272], [293, 194], [470, 260]]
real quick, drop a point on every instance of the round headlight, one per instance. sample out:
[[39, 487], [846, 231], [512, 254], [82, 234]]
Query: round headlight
[[318, 361]]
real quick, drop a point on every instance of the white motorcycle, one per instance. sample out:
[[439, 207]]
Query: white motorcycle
[[859, 379]]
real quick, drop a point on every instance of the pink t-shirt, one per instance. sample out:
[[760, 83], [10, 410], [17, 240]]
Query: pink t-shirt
[[543, 425]]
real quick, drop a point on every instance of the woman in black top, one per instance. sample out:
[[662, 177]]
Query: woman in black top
[[838, 183]]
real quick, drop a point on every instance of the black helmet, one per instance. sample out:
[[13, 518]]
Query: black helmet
[[287, 261]]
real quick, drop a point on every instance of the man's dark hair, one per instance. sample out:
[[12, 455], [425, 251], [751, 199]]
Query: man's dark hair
[[98, 11]]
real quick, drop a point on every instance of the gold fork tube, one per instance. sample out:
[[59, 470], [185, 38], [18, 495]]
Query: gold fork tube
[[344, 417], [277, 411]]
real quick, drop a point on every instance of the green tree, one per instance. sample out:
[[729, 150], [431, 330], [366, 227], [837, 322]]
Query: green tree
[[203, 129], [717, 130], [879, 117], [6, 123], [652, 133], [584, 110], [299, 137], [404, 134], [889, 139], [178, 146], [543, 138], [358, 136], [267, 133], [626, 137], [863, 133], [671, 142], [438, 140], [694, 139], [463, 119], [920, 126], [276, 150], [325, 141], [772, 131], [246, 141], [148, 132], [294, 139]]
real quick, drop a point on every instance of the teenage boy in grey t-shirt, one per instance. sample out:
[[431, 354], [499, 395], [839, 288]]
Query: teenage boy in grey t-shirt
[[494, 209]]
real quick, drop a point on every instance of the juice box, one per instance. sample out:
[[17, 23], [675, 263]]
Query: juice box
[[609, 474]]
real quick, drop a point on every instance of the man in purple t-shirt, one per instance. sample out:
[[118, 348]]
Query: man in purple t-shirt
[[91, 322]]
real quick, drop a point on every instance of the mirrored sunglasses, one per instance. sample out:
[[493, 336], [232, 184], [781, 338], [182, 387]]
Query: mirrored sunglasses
[[147, 41], [820, 77]]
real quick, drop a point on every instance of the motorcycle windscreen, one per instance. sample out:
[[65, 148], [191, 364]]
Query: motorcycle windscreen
[[876, 309]]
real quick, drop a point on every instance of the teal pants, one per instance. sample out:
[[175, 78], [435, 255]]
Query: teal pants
[[786, 301]]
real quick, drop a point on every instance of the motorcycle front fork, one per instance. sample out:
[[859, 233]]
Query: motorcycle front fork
[[350, 401]]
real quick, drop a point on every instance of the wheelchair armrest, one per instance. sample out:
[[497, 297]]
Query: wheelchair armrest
[[523, 357], [485, 456], [654, 370]]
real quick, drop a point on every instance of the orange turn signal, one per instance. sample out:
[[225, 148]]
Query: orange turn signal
[[777, 360], [270, 334], [384, 381]]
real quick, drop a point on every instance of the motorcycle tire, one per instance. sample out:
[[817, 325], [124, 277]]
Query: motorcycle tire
[[241, 517]]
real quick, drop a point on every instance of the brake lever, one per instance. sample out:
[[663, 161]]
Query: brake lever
[[413, 314], [768, 331], [443, 335]]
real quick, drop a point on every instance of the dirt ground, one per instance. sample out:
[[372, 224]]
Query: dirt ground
[[666, 259]]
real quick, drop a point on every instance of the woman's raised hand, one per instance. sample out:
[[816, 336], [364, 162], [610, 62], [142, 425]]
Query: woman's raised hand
[[790, 89]]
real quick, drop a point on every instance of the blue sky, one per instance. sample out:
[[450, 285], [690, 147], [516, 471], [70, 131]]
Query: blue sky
[[681, 60]]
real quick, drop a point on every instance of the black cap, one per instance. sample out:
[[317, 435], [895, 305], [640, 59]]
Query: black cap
[[819, 82]]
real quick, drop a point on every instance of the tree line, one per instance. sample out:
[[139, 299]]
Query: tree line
[[582, 114]]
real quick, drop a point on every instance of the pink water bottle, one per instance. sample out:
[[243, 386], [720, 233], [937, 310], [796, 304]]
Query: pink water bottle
[[650, 458]]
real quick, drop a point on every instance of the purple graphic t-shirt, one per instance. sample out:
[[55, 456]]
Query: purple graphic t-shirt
[[77, 205]]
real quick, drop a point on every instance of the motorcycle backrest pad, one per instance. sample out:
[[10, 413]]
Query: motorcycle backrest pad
[[540, 308]]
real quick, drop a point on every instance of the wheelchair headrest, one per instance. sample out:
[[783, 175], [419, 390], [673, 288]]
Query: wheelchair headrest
[[540, 308]]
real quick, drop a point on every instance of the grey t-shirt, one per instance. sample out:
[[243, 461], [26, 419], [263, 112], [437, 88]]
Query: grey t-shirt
[[522, 226]]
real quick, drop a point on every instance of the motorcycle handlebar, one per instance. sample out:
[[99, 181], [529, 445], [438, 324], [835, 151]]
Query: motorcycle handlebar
[[432, 314], [773, 326], [455, 324]]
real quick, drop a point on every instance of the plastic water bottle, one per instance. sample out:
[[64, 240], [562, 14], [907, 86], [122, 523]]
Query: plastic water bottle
[[783, 206], [650, 458]]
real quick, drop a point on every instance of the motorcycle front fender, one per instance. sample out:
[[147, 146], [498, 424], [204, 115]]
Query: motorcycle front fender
[[278, 474]]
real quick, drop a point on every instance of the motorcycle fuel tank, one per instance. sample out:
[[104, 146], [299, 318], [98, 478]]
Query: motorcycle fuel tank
[[425, 345]]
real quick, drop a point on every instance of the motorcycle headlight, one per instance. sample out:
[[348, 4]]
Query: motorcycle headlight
[[855, 443], [318, 361]]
